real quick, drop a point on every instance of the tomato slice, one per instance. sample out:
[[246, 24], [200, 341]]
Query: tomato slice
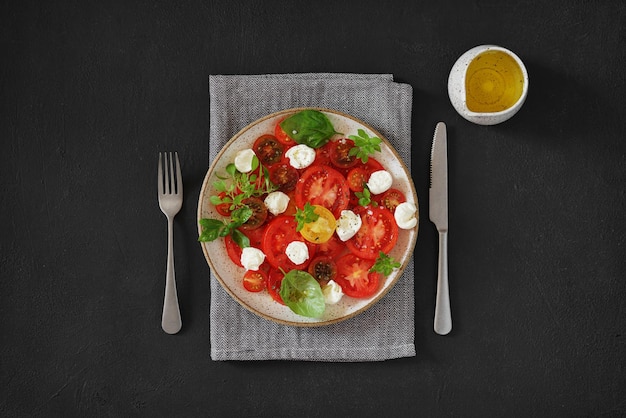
[[254, 280], [324, 186], [281, 135], [279, 233], [322, 156], [354, 277], [333, 246], [357, 177], [371, 165], [268, 149], [323, 268], [274, 280], [391, 199], [339, 153], [259, 213], [284, 176], [378, 232], [322, 229], [223, 208], [233, 250], [254, 235]]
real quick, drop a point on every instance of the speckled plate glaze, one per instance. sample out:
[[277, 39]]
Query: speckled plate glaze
[[230, 276]]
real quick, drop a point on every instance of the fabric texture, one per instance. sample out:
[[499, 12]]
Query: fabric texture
[[386, 330]]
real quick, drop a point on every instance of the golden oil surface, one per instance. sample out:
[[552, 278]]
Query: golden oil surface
[[493, 82]]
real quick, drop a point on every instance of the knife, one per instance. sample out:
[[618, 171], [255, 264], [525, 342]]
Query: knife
[[438, 201]]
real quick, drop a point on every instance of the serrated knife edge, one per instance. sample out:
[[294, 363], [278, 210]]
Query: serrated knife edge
[[438, 191]]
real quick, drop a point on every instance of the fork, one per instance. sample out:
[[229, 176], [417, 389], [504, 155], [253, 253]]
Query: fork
[[170, 201]]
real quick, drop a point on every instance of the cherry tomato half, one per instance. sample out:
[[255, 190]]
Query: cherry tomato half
[[355, 278], [322, 229], [259, 213], [378, 232], [284, 176], [223, 208], [268, 150], [391, 199], [254, 280], [339, 153], [281, 135], [357, 177], [323, 268]]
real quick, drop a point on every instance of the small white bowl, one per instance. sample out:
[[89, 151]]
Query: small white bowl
[[457, 89]]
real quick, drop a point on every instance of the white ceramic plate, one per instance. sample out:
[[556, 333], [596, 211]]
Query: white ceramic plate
[[230, 276]]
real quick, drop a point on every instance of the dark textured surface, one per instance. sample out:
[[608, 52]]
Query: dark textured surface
[[91, 91]]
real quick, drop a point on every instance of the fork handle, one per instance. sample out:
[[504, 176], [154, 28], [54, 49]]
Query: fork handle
[[443, 317], [170, 322]]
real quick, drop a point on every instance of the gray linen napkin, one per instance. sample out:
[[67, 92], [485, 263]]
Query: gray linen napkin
[[386, 330]]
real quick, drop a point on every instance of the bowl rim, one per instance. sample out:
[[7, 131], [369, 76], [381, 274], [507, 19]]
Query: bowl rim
[[464, 60]]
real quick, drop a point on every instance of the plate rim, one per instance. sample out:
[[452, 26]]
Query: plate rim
[[373, 301]]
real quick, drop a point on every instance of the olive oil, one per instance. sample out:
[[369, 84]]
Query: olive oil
[[494, 82]]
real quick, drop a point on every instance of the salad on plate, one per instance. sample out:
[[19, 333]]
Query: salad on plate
[[308, 216]]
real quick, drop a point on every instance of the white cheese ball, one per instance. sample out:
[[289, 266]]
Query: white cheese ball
[[276, 202], [379, 182], [252, 258], [300, 156], [332, 293], [297, 252], [405, 215], [243, 160], [348, 225]]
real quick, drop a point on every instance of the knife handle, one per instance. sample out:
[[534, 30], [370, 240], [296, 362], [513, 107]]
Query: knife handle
[[443, 317]]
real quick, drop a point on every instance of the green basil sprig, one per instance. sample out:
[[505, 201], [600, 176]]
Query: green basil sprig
[[214, 228], [309, 127], [385, 264]]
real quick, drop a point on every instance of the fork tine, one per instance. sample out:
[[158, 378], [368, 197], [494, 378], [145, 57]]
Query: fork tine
[[179, 177], [160, 174], [170, 176]]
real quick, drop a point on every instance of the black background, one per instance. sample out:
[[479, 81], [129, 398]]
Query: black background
[[92, 90]]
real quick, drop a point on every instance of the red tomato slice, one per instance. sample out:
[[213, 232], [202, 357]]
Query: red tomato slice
[[334, 246], [254, 235], [339, 153], [284, 176], [233, 250], [357, 177], [391, 199], [371, 165], [322, 156], [268, 149], [254, 280], [280, 134], [274, 280], [321, 185], [354, 277], [279, 233], [378, 232], [223, 208]]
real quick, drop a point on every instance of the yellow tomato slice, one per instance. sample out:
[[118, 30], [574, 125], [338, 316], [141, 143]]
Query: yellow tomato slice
[[321, 230]]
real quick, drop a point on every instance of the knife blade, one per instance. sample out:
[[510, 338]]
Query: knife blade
[[438, 214]]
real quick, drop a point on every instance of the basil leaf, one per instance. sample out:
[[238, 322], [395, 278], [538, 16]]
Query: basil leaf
[[240, 215], [211, 229], [240, 238], [309, 127], [302, 294]]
